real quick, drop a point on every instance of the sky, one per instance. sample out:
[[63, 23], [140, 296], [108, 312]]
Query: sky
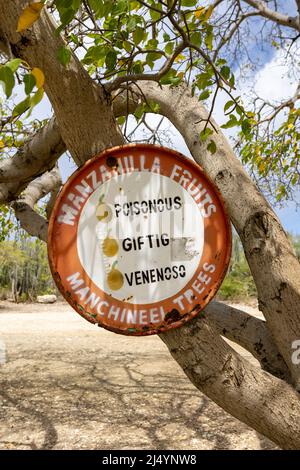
[[290, 217]]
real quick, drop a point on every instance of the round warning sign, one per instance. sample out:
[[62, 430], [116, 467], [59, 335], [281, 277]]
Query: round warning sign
[[139, 241]]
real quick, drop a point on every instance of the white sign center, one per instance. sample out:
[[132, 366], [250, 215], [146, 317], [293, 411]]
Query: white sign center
[[140, 237]]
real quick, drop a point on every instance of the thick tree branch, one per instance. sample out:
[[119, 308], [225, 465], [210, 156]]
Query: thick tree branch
[[42, 150], [36, 156], [52, 200], [249, 332], [88, 118], [30, 220], [260, 400], [284, 20]]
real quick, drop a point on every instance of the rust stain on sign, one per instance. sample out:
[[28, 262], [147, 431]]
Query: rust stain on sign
[[139, 241]]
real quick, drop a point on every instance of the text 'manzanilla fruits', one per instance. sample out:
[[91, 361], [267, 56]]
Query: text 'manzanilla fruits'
[[139, 241]]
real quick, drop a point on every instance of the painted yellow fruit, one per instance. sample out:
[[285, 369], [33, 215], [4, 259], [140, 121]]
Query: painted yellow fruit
[[115, 279], [103, 212], [110, 247]]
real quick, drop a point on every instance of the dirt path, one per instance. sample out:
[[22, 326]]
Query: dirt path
[[66, 384]]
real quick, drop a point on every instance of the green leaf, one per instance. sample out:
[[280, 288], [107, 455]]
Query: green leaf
[[64, 55], [239, 110], [231, 123], [132, 23], [127, 46], [76, 4], [221, 62], [153, 56], [138, 67], [155, 15], [209, 39], [29, 82], [204, 95], [212, 148], [21, 107], [66, 17], [225, 72], [188, 3], [97, 7], [67, 10], [196, 38], [152, 106], [8, 79], [203, 80], [246, 127], [228, 105], [138, 35], [95, 55], [203, 136], [169, 48], [63, 4], [120, 7], [74, 38], [170, 78], [152, 44], [111, 59], [140, 110], [121, 120], [14, 64]]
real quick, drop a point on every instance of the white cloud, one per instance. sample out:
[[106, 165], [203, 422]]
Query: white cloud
[[275, 82]]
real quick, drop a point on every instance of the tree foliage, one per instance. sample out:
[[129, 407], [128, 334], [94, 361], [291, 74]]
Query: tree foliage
[[171, 41]]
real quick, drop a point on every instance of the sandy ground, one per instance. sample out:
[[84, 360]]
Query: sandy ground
[[66, 384]]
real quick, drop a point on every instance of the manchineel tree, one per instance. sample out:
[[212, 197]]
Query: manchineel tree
[[99, 61]]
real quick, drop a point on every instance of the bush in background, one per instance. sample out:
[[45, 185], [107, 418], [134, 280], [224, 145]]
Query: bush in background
[[25, 273]]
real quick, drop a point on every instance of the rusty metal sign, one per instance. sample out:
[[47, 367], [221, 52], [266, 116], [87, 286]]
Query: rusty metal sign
[[139, 241]]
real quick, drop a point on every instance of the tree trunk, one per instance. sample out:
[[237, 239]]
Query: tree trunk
[[272, 260], [13, 289]]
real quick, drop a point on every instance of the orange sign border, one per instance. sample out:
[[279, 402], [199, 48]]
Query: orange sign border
[[215, 284]]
